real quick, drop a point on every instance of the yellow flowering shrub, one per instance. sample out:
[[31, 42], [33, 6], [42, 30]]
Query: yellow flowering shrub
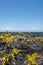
[[7, 58], [16, 51], [32, 59], [6, 38]]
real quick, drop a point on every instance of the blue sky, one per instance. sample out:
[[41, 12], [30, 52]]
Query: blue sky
[[21, 15]]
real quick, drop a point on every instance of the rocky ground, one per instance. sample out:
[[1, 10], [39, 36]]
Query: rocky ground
[[27, 46], [20, 58]]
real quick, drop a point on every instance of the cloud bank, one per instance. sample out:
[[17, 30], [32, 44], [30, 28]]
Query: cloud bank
[[15, 28]]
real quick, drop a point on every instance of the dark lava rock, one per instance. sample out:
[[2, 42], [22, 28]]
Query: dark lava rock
[[20, 59], [31, 48], [0, 63], [40, 61], [2, 43]]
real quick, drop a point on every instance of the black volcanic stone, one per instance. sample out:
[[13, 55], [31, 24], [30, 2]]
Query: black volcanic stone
[[30, 47]]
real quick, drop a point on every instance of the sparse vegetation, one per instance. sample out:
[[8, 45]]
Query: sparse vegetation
[[20, 46]]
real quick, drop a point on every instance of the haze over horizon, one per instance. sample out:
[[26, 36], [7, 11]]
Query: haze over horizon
[[21, 15]]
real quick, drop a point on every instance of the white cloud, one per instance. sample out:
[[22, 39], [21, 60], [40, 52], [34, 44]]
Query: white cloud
[[4, 28], [16, 28], [34, 28], [8, 28]]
